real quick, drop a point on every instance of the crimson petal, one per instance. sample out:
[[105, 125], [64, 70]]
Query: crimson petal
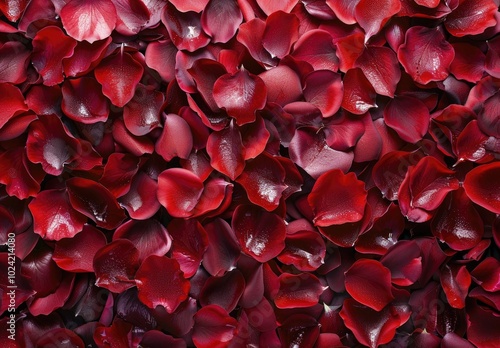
[[132, 15], [324, 89], [282, 30], [213, 327], [223, 291], [83, 101], [469, 62], [223, 249], [487, 119], [14, 63], [299, 329], [190, 5], [176, 140], [455, 281], [481, 185], [60, 337], [21, 177], [118, 173], [85, 57], [481, 330], [316, 48], [487, 274], [140, 201], [343, 9], [47, 304], [282, 84], [471, 17], [381, 67], [220, 19], [250, 34], [298, 290], [373, 15], [404, 261], [160, 56], [408, 116], [12, 102], [359, 95], [305, 250]]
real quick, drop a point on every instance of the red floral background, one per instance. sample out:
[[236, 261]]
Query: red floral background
[[250, 173]]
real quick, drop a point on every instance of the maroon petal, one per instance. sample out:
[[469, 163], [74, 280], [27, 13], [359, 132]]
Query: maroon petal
[[359, 95], [337, 204], [299, 329], [381, 67], [160, 56], [189, 243], [304, 249], [220, 19], [50, 47], [204, 73], [282, 30], [481, 186], [250, 34], [263, 180], [369, 283], [455, 281], [492, 299], [161, 282], [132, 15], [223, 291], [21, 177], [298, 290], [179, 190], [316, 48], [60, 337], [404, 262], [370, 144], [223, 249], [94, 20], [119, 75], [155, 338], [372, 15], [349, 48], [482, 326], [282, 84], [240, 94], [47, 304], [143, 113], [487, 119], [14, 62], [408, 116], [213, 327], [117, 335], [180, 322], [324, 89], [344, 9], [426, 55], [176, 139], [84, 244], [140, 201], [12, 101], [468, 63], [83, 101], [118, 173], [16, 126], [148, 236], [255, 137], [487, 274], [95, 201], [115, 265], [471, 17], [199, 163], [85, 57], [261, 234]]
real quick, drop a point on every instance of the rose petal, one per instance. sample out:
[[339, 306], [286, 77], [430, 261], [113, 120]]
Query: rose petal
[[404, 261], [176, 139], [132, 16], [223, 249], [471, 17], [83, 101], [282, 84], [372, 15], [408, 116], [223, 291], [140, 201], [220, 19], [298, 290], [282, 30], [304, 249], [213, 327], [487, 274], [480, 185], [12, 101], [359, 95], [324, 89], [316, 48]]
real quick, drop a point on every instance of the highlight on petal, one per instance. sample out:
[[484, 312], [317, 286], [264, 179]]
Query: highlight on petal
[[359, 95], [223, 249], [408, 116], [160, 56], [481, 185], [270, 6], [299, 329], [220, 19], [324, 89], [487, 274], [213, 327], [305, 250], [298, 290], [373, 15], [140, 201], [118, 173], [161, 282], [83, 101], [404, 261], [471, 17], [455, 281], [132, 16]]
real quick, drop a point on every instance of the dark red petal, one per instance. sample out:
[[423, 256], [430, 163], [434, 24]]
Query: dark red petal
[[482, 326], [16, 126], [119, 75], [41, 271], [95, 201], [220, 19], [13, 9], [204, 73], [343, 9], [176, 140], [250, 34], [471, 17], [282, 84], [304, 249], [426, 55], [117, 335], [404, 262], [180, 322], [282, 30], [213, 327], [84, 244], [299, 329], [199, 163], [118, 173], [240, 94], [428, 3], [455, 281], [21, 177], [47, 304], [487, 274], [12, 102], [468, 63], [140, 201], [189, 243], [160, 56], [492, 299], [370, 144], [408, 116], [369, 283], [324, 89], [261, 234], [161, 282], [255, 137], [381, 67], [340, 203], [14, 62], [132, 15], [481, 185], [143, 113], [298, 290], [225, 148], [492, 62], [115, 265], [91, 21], [359, 95], [223, 249], [452, 340], [155, 338], [83, 101], [223, 291], [216, 194], [60, 337], [85, 57], [487, 119], [349, 48], [190, 5], [373, 15], [316, 48], [179, 190], [263, 180]]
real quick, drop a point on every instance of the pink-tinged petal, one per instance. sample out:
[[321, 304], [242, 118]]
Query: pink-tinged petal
[[60, 337], [369, 283], [299, 329], [455, 281], [142, 113], [223, 250], [220, 19], [224, 291], [84, 244], [411, 8], [95, 201], [324, 89], [119, 75], [13, 9], [119, 334], [261, 234], [309, 150], [305, 250], [161, 282], [132, 15], [189, 243], [481, 185], [408, 116], [47, 304], [176, 139], [377, 327], [184, 28], [118, 173], [316, 48], [482, 329], [50, 47], [83, 101], [487, 274], [381, 67], [140, 201], [404, 262], [282, 30], [213, 327], [204, 73], [340, 203], [487, 118], [14, 62], [471, 17], [250, 35], [199, 130], [179, 190], [190, 5], [21, 177], [282, 84], [468, 63], [263, 180], [269, 6], [240, 94], [115, 265], [85, 57], [349, 48], [457, 222], [344, 9], [160, 56], [12, 102], [298, 290], [91, 21], [373, 15], [53, 216], [426, 55], [359, 95], [149, 237]]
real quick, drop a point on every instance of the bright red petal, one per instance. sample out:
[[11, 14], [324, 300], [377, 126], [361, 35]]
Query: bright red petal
[[316, 48], [471, 17], [481, 185]]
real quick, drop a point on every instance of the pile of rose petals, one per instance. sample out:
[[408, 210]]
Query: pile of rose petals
[[251, 173]]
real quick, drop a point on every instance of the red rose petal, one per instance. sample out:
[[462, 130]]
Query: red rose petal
[[404, 261], [481, 186], [468, 63], [13, 10], [316, 48], [160, 56], [359, 95], [140, 201], [455, 281], [176, 139], [48, 304], [299, 329], [190, 5], [223, 249], [324, 89], [269, 6], [83, 102], [213, 327], [224, 291], [487, 119], [282, 30], [21, 177], [298, 290], [304, 249], [471, 17], [220, 19], [482, 328], [250, 34], [372, 15], [61, 337], [282, 84], [132, 16], [408, 116], [14, 62], [12, 101], [487, 274]]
